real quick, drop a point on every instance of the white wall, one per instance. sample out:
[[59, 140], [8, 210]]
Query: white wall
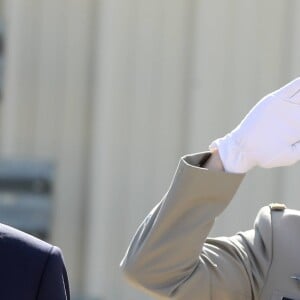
[[116, 91]]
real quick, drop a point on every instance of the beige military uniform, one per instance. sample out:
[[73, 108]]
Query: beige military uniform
[[171, 257]]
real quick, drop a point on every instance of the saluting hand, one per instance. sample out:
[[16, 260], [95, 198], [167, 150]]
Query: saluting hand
[[269, 136]]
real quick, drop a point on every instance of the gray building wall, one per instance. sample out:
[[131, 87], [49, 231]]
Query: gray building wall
[[114, 92]]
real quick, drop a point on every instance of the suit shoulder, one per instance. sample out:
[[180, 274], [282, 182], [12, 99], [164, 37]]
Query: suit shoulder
[[263, 218], [269, 216], [263, 227], [16, 240]]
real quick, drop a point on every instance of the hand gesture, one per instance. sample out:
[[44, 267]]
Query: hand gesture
[[269, 136]]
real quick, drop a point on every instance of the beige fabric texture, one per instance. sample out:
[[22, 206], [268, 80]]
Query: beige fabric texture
[[171, 257]]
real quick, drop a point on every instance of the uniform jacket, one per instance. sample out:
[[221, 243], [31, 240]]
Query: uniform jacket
[[30, 269], [171, 256]]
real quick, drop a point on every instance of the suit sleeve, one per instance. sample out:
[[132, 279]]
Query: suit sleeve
[[170, 255], [54, 282]]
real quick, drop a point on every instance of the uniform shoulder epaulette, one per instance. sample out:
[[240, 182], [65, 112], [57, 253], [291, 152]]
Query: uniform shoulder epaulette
[[277, 206]]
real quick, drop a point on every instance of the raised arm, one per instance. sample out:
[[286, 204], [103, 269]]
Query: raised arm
[[163, 257], [171, 257]]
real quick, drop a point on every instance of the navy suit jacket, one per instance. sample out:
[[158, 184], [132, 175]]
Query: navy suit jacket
[[30, 269]]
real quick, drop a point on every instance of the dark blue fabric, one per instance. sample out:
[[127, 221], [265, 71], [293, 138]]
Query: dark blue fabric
[[30, 269]]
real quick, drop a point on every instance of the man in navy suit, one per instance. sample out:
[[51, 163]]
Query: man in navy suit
[[30, 269]]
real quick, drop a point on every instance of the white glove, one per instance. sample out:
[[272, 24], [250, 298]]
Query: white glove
[[269, 136]]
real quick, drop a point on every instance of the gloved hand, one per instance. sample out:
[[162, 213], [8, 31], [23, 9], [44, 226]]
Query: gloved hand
[[269, 136]]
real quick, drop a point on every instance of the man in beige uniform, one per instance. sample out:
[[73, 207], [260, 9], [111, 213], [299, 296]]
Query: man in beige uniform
[[171, 256]]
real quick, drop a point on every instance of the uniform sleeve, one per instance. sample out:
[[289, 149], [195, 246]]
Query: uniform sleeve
[[54, 281], [170, 255]]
